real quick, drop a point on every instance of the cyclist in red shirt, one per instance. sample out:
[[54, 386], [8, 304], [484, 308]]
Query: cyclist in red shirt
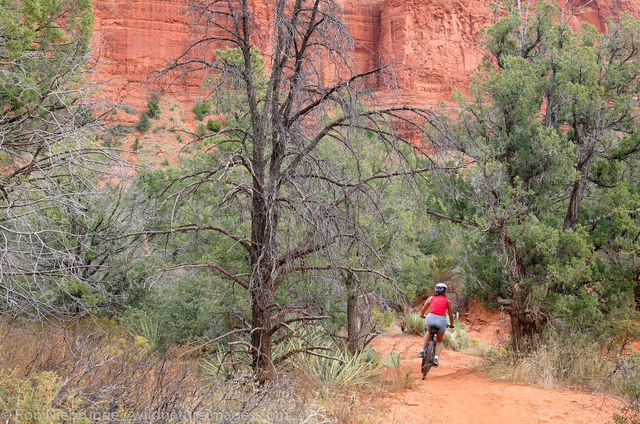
[[440, 306]]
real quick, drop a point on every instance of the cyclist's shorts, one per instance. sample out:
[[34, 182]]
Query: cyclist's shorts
[[439, 320]]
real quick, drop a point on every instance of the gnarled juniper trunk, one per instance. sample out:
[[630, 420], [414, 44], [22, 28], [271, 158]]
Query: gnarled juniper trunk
[[526, 323]]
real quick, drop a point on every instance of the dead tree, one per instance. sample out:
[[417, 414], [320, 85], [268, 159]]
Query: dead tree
[[50, 160], [294, 110]]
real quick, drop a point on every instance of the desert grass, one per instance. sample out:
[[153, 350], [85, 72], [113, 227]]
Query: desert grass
[[96, 371]]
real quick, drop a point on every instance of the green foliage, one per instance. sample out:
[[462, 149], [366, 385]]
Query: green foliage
[[414, 324], [39, 46], [35, 400], [136, 144], [32, 23], [120, 130], [457, 338], [126, 108], [153, 106], [383, 319], [75, 291], [546, 126], [392, 360], [174, 314], [348, 373], [627, 380], [201, 110], [213, 125], [115, 133], [144, 123]]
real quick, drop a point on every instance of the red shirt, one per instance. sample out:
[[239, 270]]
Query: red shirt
[[439, 305]]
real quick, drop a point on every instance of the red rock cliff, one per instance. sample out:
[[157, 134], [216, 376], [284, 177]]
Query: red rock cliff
[[433, 43]]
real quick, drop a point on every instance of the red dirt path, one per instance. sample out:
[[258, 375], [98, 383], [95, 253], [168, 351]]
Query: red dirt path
[[454, 393]]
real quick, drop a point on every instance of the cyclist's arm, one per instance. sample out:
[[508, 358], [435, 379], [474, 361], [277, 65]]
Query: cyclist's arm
[[425, 306], [450, 314]]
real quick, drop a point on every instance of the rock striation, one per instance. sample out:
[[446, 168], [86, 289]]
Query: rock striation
[[433, 44]]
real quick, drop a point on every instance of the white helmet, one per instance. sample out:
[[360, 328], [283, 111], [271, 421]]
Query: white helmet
[[440, 288]]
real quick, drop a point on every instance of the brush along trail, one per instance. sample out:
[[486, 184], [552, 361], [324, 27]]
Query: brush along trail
[[454, 393]]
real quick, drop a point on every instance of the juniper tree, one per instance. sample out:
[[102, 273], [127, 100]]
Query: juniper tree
[[550, 130]]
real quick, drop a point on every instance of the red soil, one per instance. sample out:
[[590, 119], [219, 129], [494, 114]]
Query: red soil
[[490, 327], [454, 393]]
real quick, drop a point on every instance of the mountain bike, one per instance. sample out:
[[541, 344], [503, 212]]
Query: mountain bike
[[427, 358]]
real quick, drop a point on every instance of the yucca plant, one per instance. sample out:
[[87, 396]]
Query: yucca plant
[[346, 372], [142, 324], [457, 338], [414, 324]]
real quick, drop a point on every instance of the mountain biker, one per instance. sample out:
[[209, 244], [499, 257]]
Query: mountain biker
[[440, 306]]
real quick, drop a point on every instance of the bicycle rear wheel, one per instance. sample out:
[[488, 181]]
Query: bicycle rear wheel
[[427, 359]]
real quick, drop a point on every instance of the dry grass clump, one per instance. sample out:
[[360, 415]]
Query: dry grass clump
[[97, 372], [559, 361], [575, 360]]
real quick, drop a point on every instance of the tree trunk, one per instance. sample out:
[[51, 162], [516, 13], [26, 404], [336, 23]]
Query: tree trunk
[[352, 316], [261, 299], [636, 291], [574, 202], [525, 335], [260, 287], [526, 324]]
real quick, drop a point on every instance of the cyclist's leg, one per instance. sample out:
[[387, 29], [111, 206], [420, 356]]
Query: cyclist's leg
[[427, 336], [439, 340]]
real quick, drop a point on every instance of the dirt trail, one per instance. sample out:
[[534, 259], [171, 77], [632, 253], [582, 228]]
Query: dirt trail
[[455, 394]]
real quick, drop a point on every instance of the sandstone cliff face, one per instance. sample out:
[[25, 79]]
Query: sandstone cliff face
[[433, 44], [133, 38]]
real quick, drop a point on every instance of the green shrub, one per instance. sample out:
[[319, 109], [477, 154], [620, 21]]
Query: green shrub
[[414, 324], [202, 129], [201, 110], [627, 381], [35, 400], [213, 125], [347, 373], [456, 338], [392, 360], [120, 130], [383, 319], [126, 108], [143, 124], [173, 314], [83, 116], [75, 291], [154, 107], [136, 144]]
